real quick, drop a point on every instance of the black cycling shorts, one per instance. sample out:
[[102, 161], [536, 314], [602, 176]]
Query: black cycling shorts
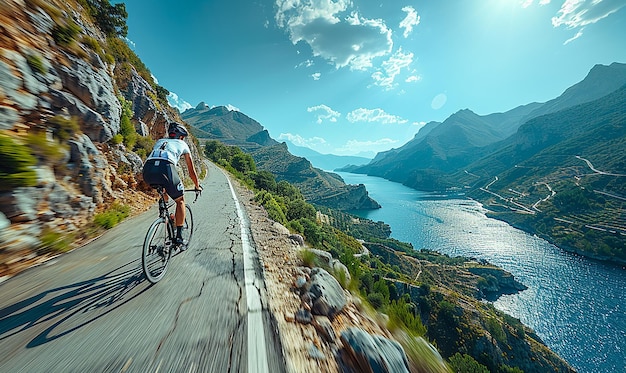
[[162, 172]]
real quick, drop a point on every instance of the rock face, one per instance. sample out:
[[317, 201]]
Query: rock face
[[46, 85]]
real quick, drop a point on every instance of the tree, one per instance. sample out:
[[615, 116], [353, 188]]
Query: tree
[[299, 208], [264, 180], [467, 364], [110, 18]]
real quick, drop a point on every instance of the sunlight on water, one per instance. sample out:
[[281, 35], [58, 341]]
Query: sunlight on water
[[575, 305]]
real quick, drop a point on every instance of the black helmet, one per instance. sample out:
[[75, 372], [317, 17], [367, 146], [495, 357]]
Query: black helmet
[[176, 130]]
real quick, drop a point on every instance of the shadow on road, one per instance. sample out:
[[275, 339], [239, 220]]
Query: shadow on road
[[71, 307]]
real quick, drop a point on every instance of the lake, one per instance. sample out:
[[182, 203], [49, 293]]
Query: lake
[[576, 305]]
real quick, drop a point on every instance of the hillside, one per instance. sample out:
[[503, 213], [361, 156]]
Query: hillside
[[562, 176], [228, 126], [79, 110], [235, 128], [443, 148], [428, 161]]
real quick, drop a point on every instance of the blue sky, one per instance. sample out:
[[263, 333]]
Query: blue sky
[[355, 77]]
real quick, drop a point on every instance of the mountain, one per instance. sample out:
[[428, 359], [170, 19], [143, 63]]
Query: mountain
[[228, 126], [600, 81], [440, 148], [235, 128], [328, 162], [428, 161], [562, 176]]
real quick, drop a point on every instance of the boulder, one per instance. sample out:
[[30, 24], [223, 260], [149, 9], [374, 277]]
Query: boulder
[[364, 352], [328, 296]]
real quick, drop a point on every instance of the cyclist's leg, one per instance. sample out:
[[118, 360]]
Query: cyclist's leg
[[175, 189], [180, 211]]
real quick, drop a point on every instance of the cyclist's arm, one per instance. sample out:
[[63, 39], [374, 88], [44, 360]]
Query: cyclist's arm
[[192, 170]]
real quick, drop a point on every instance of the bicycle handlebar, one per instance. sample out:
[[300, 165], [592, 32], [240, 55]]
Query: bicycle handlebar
[[197, 191]]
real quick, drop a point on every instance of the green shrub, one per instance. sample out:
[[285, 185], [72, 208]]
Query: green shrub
[[117, 139], [93, 44], [16, 165], [48, 152], [36, 63], [308, 258], [377, 300], [403, 315], [63, 128], [64, 35], [52, 241], [143, 146], [110, 218], [127, 129]]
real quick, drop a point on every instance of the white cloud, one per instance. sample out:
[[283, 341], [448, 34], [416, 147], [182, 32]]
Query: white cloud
[[307, 63], [578, 34], [324, 113], [391, 68], [579, 13], [374, 115], [298, 140], [527, 3], [353, 147], [177, 102], [351, 41], [413, 78], [316, 76], [411, 19]]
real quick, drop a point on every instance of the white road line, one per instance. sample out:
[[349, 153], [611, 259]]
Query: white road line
[[257, 353]]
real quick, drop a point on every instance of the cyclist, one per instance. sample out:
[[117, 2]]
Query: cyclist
[[160, 168]]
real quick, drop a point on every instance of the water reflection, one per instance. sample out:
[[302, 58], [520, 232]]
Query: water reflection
[[574, 304]]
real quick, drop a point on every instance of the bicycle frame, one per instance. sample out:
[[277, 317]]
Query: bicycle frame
[[159, 242]]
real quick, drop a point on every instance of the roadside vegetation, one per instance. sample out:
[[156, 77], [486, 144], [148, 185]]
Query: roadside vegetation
[[378, 277]]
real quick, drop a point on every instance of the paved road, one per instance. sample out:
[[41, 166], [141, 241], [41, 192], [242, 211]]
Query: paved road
[[91, 310]]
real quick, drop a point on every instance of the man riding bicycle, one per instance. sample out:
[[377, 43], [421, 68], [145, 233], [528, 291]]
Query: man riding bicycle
[[160, 169]]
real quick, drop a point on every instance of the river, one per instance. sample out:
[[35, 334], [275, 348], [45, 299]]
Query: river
[[576, 305]]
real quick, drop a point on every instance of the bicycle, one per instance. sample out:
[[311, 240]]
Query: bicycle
[[159, 243]]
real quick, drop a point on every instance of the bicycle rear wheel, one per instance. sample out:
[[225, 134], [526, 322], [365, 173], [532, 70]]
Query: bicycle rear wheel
[[157, 251]]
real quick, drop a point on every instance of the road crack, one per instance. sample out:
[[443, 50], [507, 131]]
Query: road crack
[[175, 324]]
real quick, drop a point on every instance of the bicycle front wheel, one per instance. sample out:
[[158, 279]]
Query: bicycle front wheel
[[157, 251], [187, 226]]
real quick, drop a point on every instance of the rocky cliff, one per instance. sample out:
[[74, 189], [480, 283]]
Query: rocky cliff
[[81, 114]]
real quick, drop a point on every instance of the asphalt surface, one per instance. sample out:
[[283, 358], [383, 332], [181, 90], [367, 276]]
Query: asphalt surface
[[92, 310]]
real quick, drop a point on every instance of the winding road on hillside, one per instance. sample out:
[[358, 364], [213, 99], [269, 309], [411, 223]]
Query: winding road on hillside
[[92, 310]]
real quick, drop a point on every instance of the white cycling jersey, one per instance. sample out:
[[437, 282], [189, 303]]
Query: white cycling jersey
[[169, 149]]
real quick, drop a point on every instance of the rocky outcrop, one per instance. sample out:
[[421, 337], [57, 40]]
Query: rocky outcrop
[[497, 281], [42, 84], [347, 198], [150, 118]]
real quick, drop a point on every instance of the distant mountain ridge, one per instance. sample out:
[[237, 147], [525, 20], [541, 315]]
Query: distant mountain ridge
[[427, 161], [237, 129], [327, 162], [228, 126]]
